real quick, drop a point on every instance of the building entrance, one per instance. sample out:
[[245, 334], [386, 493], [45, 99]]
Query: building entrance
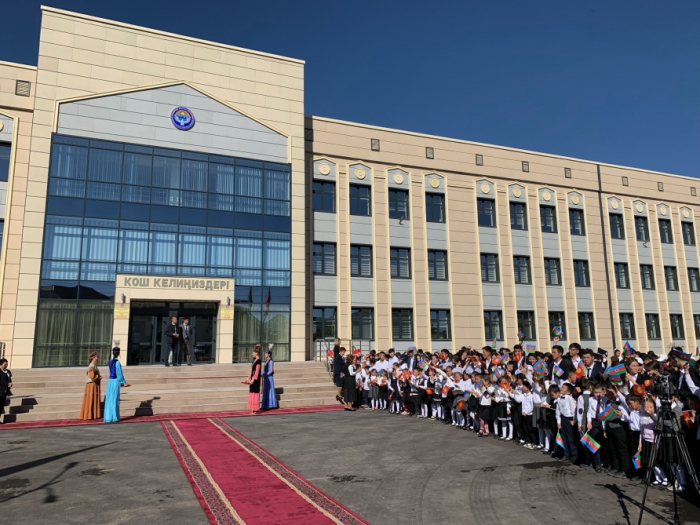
[[148, 321]]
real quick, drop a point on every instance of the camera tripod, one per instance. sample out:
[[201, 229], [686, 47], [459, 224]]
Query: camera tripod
[[681, 457]]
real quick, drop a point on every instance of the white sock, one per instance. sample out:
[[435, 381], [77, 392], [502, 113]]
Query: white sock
[[504, 430], [541, 433], [547, 438], [510, 429], [660, 474]]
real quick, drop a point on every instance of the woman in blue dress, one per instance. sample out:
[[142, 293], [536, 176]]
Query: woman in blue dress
[[116, 381], [269, 400]]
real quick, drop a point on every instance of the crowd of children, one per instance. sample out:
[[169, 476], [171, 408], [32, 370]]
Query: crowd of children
[[576, 407]]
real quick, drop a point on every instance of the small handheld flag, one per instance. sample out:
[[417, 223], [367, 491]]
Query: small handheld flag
[[530, 348], [518, 355], [687, 419], [329, 353], [628, 349], [494, 343], [680, 355], [558, 370], [356, 351], [560, 441], [637, 461], [498, 359], [607, 414], [557, 331], [460, 404], [521, 335], [497, 374], [580, 371], [445, 390], [422, 364], [614, 371], [590, 443]]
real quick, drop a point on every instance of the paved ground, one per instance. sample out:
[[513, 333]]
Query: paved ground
[[389, 469]]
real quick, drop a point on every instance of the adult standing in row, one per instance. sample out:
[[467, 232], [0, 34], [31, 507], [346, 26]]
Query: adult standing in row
[[349, 383], [116, 381], [90, 408], [254, 382], [172, 339], [269, 399], [186, 343], [5, 384], [338, 364]]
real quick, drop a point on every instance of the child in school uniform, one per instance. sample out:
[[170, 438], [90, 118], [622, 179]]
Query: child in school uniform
[[528, 407], [539, 396], [484, 411], [616, 432], [373, 389], [566, 422], [472, 403], [394, 392], [383, 384], [647, 423], [549, 407], [502, 414], [633, 406]]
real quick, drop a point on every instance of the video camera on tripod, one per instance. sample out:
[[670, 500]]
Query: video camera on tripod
[[663, 387]]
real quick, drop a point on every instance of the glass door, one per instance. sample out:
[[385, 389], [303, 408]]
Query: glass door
[[204, 332], [142, 340]]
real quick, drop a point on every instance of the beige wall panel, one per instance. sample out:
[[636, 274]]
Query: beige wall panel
[[382, 275], [537, 265], [419, 254]]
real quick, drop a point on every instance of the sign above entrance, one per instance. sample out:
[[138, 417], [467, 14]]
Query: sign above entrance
[[170, 282]]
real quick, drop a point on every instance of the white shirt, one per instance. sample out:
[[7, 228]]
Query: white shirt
[[566, 407], [527, 403], [392, 360]]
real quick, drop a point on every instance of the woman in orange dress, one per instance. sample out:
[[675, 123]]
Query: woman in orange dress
[[90, 408]]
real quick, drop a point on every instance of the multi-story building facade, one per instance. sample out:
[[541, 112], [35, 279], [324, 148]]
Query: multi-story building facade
[[145, 175]]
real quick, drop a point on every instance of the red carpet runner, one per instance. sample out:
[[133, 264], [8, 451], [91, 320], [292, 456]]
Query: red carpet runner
[[239, 483]]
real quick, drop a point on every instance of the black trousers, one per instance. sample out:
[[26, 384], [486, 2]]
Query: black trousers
[[617, 441], [568, 430], [3, 400]]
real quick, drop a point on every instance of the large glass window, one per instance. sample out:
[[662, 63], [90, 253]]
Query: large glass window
[[526, 324], [324, 258], [694, 279], [647, 274], [677, 331], [665, 231], [325, 326], [5, 150], [440, 324], [360, 260], [400, 262], [548, 219], [437, 265], [402, 324], [622, 278], [627, 326], [617, 230], [641, 227], [696, 323], [552, 272], [360, 200], [489, 268], [581, 277], [557, 320], [653, 328], [521, 269], [585, 326], [493, 325], [434, 207], [398, 204], [362, 320], [518, 216], [671, 278], [577, 225], [486, 212], [688, 233], [324, 196]]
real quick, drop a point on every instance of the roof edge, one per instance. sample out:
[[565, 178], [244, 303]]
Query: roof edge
[[166, 33], [17, 64]]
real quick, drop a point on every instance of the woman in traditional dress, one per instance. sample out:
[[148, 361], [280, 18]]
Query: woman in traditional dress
[[90, 409], [116, 381], [269, 400], [349, 383], [254, 382]]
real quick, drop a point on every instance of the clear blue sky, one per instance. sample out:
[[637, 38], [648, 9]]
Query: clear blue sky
[[610, 81]]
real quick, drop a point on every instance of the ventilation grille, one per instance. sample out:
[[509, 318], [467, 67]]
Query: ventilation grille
[[23, 88]]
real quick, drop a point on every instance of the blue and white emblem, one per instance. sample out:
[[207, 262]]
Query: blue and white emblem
[[182, 118]]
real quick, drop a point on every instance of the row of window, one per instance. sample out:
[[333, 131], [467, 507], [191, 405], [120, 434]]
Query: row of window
[[360, 202], [325, 325], [325, 254], [641, 228]]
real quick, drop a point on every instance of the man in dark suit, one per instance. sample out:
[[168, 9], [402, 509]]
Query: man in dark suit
[[5, 384], [186, 342], [408, 359], [173, 334], [562, 362], [591, 367]]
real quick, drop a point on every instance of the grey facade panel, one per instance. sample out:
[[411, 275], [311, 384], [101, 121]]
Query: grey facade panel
[[695, 300], [674, 302], [550, 245], [645, 254], [579, 247], [403, 185], [325, 290], [354, 169], [584, 299], [332, 170], [442, 344], [555, 299], [619, 250], [402, 293], [360, 229], [656, 345], [492, 295], [362, 291], [399, 234], [402, 346], [651, 306], [429, 188], [324, 226], [524, 297], [691, 256], [625, 303], [143, 117], [669, 254], [439, 294], [436, 235], [488, 239], [521, 242]]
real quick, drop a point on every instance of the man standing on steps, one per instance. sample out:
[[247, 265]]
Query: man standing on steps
[[172, 339], [186, 342]]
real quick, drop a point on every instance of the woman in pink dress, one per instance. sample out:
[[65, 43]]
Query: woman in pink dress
[[254, 382]]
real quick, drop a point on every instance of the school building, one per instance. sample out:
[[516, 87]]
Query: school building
[[145, 175]]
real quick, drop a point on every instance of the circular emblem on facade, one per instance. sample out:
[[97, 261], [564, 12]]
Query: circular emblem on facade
[[1, 125], [686, 213], [434, 182], [662, 210], [575, 199], [324, 169], [516, 192], [547, 196], [360, 173], [614, 205], [182, 118], [639, 208], [485, 188], [398, 178]]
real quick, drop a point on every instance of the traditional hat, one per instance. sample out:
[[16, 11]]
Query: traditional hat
[[602, 352]]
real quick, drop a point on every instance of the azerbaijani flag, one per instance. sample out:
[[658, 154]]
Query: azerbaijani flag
[[558, 370], [560, 441], [497, 374], [590, 443], [498, 359], [637, 461], [494, 343], [680, 355], [530, 348], [607, 414], [580, 371], [628, 348], [614, 371], [557, 331], [521, 335], [479, 386], [422, 364]]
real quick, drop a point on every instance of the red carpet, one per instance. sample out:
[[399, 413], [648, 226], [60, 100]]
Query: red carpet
[[238, 482], [167, 417]]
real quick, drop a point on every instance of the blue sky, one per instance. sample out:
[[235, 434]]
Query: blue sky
[[615, 82]]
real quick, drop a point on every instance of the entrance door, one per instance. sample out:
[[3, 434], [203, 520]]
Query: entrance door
[[142, 340], [204, 330]]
